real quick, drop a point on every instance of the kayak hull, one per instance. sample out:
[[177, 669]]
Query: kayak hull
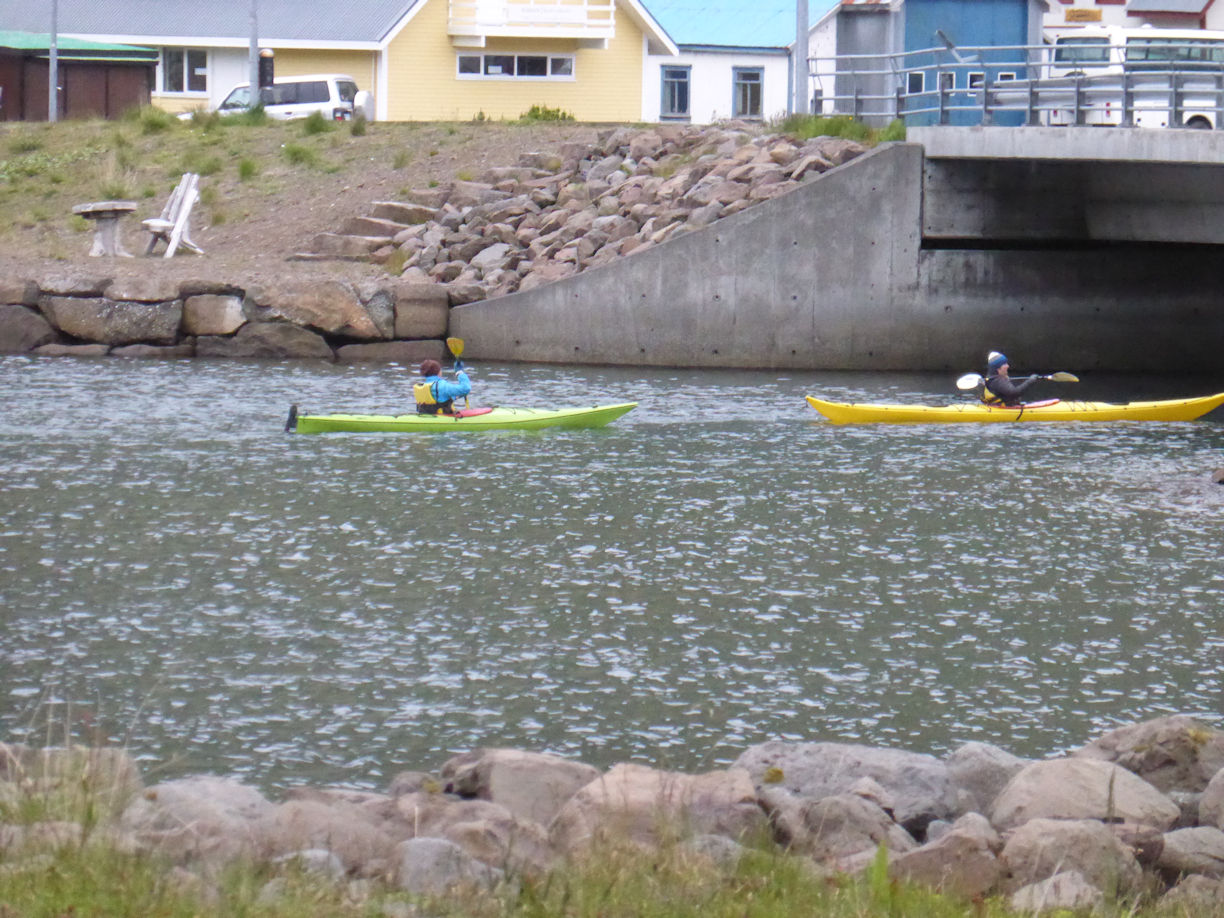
[[495, 419], [1183, 409]]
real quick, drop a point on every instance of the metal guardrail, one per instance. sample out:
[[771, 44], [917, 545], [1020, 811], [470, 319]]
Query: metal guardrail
[[1018, 84]]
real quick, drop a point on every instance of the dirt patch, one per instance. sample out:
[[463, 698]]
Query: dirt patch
[[265, 190]]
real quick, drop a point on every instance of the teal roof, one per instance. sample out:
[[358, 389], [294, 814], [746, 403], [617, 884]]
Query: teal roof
[[75, 48], [733, 23]]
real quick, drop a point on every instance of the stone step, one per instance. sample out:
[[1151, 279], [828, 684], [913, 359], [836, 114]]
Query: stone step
[[346, 244], [406, 213], [371, 226]]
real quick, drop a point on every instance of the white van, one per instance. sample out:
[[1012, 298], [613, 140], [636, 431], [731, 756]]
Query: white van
[[333, 95], [1171, 74]]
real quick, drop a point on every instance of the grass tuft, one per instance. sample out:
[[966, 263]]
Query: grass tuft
[[544, 113], [805, 127], [315, 123]]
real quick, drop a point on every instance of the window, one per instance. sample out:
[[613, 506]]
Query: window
[[515, 66], [915, 82], [184, 70], [675, 104], [977, 79], [747, 83], [1005, 76]]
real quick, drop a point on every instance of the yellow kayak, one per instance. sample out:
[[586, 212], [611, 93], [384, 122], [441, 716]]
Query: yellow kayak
[[1180, 409]]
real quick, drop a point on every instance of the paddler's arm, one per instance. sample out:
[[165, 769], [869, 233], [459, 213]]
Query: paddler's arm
[[451, 390]]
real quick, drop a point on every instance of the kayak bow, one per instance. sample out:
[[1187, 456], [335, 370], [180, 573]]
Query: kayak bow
[[1182, 409], [476, 419]]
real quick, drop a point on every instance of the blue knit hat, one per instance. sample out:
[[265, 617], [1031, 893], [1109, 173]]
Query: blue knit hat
[[994, 360]]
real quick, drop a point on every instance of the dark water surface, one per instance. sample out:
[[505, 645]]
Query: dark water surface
[[717, 569]]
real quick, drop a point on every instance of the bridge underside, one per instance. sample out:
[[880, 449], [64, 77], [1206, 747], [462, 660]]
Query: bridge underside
[[919, 256]]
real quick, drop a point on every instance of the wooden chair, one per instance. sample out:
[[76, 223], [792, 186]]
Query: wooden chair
[[171, 226]]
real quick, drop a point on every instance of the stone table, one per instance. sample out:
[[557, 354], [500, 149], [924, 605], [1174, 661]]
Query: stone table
[[106, 216]]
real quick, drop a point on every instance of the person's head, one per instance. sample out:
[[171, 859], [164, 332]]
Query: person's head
[[996, 363], [430, 367]]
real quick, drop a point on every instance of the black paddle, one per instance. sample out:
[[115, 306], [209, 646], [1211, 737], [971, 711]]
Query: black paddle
[[973, 380]]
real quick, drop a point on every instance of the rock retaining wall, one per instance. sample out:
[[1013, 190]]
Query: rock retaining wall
[[89, 315], [1136, 813]]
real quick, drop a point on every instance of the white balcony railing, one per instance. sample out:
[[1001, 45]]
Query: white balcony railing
[[533, 18]]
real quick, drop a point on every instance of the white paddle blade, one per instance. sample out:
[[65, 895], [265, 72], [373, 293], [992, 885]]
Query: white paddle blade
[[969, 381]]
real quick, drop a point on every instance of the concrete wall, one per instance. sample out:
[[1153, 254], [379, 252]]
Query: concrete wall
[[898, 260], [820, 277]]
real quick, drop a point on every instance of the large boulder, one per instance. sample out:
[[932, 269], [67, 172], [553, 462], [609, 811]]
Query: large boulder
[[1068, 891], [22, 329], [212, 314], [531, 785], [200, 817], [485, 830], [1195, 895], [266, 340], [1041, 848], [346, 830], [108, 322], [1196, 850], [834, 828], [920, 785], [1176, 753], [1081, 789], [434, 866], [1211, 804], [959, 863], [979, 772], [326, 305], [644, 804]]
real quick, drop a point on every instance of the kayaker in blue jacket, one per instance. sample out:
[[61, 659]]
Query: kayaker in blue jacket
[[435, 395], [999, 388]]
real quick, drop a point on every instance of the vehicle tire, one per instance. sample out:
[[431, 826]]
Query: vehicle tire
[[1199, 123]]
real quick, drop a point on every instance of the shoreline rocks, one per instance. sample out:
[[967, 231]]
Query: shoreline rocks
[[1064, 832]]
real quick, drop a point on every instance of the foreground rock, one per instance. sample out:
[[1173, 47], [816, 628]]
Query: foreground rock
[[1067, 833]]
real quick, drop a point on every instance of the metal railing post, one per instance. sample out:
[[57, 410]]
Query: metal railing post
[[1128, 101], [987, 117], [1080, 115], [1219, 99], [1176, 100]]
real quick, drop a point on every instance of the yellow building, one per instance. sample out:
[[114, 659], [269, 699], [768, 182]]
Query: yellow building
[[423, 60]]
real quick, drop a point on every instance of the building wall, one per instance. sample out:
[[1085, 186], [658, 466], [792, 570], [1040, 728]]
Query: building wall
[[966, 23], [423, 82], [711, 83]]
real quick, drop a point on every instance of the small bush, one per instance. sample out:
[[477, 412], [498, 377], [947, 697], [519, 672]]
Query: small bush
[[544, 113], [300, 155], [401, 159], [247, 169], [207, 121], [465, 176], [153, 120], [894, 131], [315, 123], [358, 126]]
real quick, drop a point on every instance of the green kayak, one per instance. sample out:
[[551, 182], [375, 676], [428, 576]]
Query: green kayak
[[468, 419]]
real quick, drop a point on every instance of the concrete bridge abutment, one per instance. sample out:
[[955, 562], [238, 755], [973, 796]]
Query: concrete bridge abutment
[[915, 257]]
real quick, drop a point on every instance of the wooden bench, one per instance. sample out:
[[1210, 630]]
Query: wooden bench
[[171, 226], [105, 216]]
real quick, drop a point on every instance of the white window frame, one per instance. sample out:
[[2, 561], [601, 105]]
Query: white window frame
[[915, 83], [1005, 76], [186, 52], [550, 77]]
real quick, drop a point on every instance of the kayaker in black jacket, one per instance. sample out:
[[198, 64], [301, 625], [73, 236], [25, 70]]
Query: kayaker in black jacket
[[999, 388]]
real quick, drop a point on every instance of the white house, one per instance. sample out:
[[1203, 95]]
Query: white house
[[734, 60]]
